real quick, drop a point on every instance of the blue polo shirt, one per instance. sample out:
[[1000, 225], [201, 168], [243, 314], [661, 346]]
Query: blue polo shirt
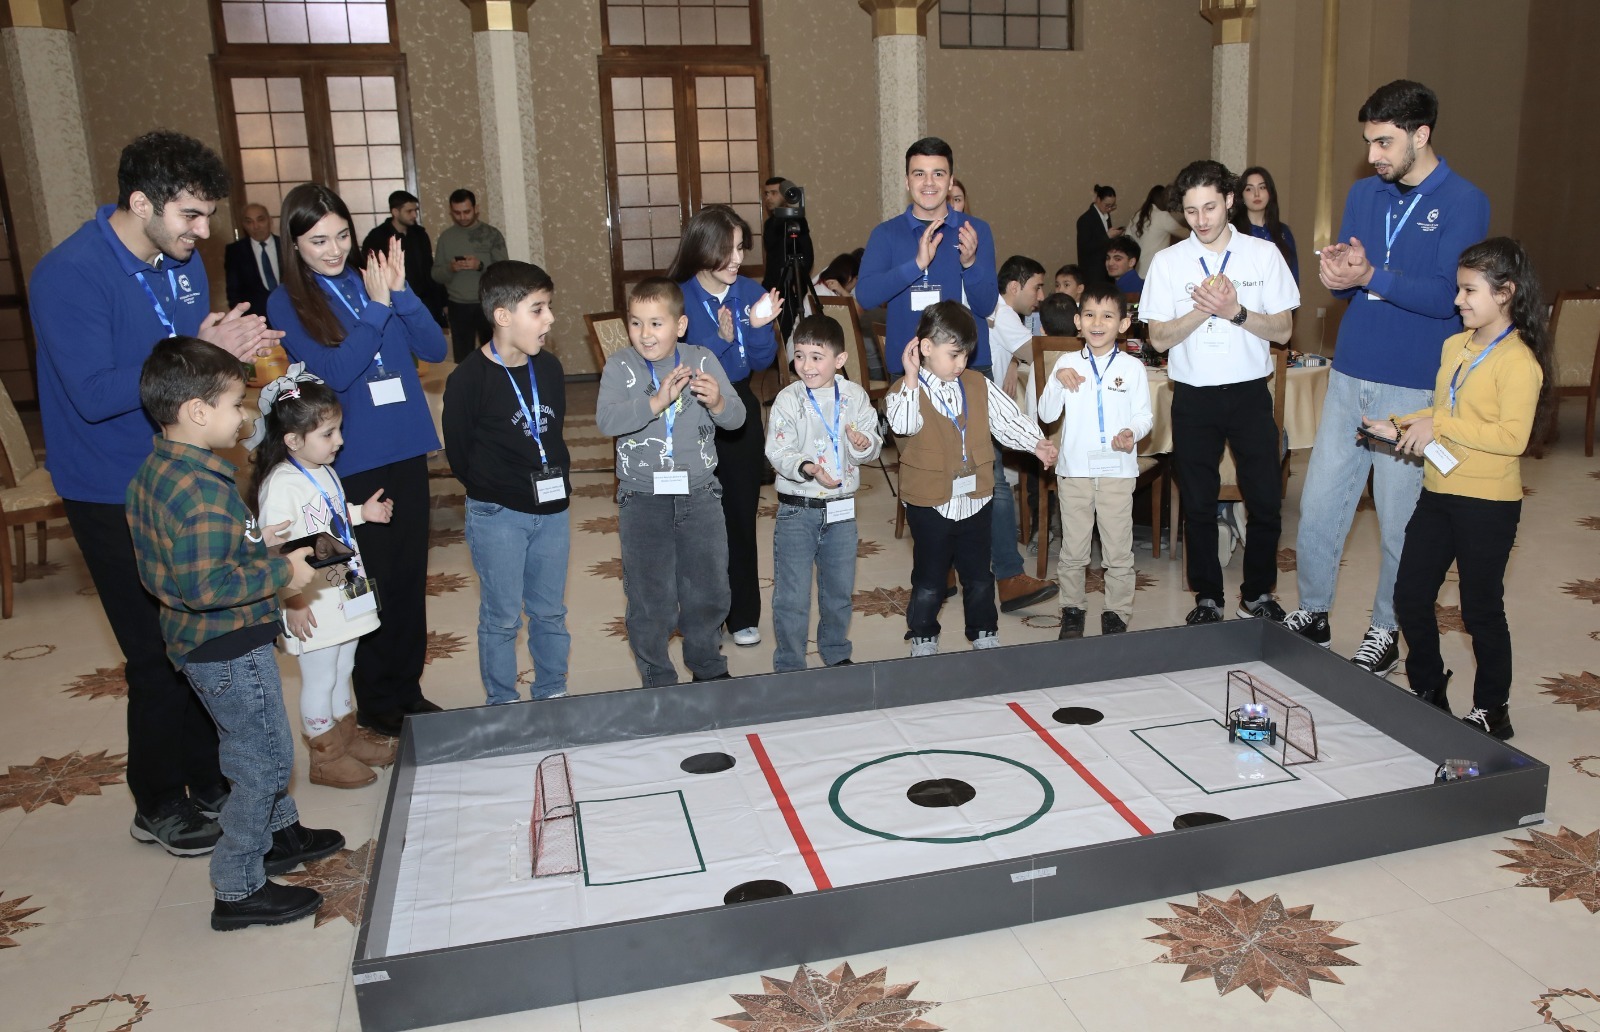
[[889, 271], [1395, 325], [95, 325], [751, 350]]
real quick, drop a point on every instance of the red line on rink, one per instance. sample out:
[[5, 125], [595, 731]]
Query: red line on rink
[[1083, 772], [796, 829]]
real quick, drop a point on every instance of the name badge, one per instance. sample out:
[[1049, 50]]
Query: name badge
[[1441, 457], [840, 509], [360, 605], [923, 296], [1215, 338], [1105, 463], [387, 390], [548, 485], [964, 485], [672, 482]]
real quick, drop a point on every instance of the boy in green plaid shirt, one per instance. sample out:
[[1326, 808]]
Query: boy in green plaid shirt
[[202, 556]]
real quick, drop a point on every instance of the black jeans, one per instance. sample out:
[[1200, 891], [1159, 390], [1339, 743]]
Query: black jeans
[[1204, 419], [172, 742], [741, 456], [389, 661], [468, 329], [936, 545], [1476, 534]]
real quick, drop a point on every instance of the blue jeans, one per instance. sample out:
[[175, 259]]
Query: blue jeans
[[521, 561], [675, 576], [256, 749], [1334, 481], [802, 539], [1005, 558]]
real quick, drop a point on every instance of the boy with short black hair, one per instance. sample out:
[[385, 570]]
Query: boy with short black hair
[[1070, 280], [503, 436], [1021, 290], [202, 556], [663, 402], [822, 428], [1122, 264], [944, 416], [1058, 315]]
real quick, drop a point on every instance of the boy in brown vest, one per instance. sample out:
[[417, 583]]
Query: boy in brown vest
[[944, 417]]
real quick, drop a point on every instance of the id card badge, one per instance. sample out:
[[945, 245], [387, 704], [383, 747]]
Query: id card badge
[[387, 389], [548, 485], [1105, 463], [1442, 458], [360, 597], [672, 482], [840, 510], [966, 481], [925, 294], [1215, 338]]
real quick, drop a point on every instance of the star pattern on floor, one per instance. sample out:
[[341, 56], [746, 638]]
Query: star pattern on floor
[[444, 583], [1449, 618], [444, 537], [1588, 590], [1094, 581], [867, 549], [836, 1002], [12, 913], [1591, 522], [599, 525], [442, 646], [104, 683], [1542, 1005], [881, 601], [769, 511], [59, 780], [1261, 945], [1566, 863], [342, 880], [1286, 560], [1580, 690], [140, 1008], [617, 627], [611, 569], [452, 500], [594, 491]]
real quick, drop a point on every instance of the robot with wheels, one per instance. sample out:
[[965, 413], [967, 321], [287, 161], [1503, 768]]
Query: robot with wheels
[[1251, 723]]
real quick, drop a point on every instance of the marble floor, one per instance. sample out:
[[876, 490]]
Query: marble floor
[[1484, 935]]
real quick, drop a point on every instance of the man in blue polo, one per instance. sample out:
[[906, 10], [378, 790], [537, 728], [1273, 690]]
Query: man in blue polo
[[100, 301], [933, 253], [1404, 229]]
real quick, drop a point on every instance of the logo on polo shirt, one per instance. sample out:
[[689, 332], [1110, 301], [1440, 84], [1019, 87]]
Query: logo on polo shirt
[[1251, 283], [1432, 222], [189, 295]]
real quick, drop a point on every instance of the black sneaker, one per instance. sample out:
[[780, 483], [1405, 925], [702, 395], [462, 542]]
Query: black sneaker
[[177, 827], [1205, 611], [1111, 623], [295, 845], [1313, 627], [1265, 607], [1071, 624], [210, 801], [843, 662], [272, 904], [1438, 698], [1378, 653], [1495, 722]]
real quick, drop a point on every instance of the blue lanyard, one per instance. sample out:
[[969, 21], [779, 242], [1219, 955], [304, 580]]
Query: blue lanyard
[[338, 516], [833, 433], [531, 415], [738, 334], [155, 302], [670, 413], [1391, 232], [1481, 356], [1203, 268], [959, 421], [1099, 378], [361, 294]]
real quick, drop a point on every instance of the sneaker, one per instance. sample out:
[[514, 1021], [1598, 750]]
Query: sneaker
[[210, 801], [1111, 623], [177, 827], [1438, 698], [296, 845], [1265, 607], [987, 640], [1311, 626], [1228, 536], [1071, 624], [747, 636], [924, 647], [1205, 611], [1495, 722], [272, 904], [843, 662], [1378, 653]]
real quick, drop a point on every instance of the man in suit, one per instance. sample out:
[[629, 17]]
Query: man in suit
[[253, 264], [1095, 232], [403, 209]]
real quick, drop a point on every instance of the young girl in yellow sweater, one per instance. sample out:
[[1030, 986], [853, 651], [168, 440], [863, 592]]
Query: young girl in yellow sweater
[[1490, 391]]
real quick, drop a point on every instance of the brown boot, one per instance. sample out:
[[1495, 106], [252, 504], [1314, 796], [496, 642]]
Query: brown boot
[[1022, 591], [369, 747], [333, 766]]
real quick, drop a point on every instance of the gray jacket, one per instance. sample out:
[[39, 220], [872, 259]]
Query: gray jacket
[[623, 412]]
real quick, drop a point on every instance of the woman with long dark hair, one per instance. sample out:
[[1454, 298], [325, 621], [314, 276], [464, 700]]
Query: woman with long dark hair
[[1154, 227], [1255, 211], [362, 333]]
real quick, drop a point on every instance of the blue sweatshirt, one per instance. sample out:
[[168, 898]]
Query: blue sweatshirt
[[889, 271], [383, 339], [95, 326], [751, 350], [1392, 330]]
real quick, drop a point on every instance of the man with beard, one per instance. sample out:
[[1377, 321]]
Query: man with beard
[[1395, 261]]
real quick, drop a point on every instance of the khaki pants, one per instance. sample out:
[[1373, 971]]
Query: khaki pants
[[1106, 502]]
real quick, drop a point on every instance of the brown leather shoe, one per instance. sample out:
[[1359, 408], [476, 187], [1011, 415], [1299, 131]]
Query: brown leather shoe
[[1022, 591], [333, 766], [369, 747]]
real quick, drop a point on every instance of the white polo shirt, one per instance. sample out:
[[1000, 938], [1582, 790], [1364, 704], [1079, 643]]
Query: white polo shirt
[[1218, 352]]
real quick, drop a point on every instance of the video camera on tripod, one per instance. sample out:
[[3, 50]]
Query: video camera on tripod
[[794, 201], [794, 282]]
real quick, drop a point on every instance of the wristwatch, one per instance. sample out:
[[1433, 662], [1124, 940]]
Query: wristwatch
[[1238, 320]]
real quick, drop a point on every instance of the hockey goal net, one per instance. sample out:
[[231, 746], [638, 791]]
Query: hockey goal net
[[1297, 730], [553, 831]]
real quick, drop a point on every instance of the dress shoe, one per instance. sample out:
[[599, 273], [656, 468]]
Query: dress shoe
[[1022, 591], [272, 904]]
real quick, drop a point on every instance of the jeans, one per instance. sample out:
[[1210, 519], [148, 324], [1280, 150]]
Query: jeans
[[674, 574], [936, 545], [1476, 534], [802, 539], [1334, 481], [256, 748], [1005, 559], [521, 561]]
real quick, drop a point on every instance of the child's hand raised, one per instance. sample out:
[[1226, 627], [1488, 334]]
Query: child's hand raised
[[774, 303], [1069, 378], [1124, 441], [911, 359], [671, 387], [858, 440], [378, 509], [705, 387]]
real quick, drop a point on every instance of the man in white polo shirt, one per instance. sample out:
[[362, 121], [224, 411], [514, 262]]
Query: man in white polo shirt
[[1215, 301]]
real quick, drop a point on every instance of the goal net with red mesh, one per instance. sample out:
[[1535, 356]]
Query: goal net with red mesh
[[553, 830], [1297, 730]]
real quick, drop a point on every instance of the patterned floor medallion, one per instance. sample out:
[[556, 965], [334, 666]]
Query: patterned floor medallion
[[606, 490], [599, 525], [443, 646], [1591, 522], [881, 601], [1581, 690], [444, 583], [1566, 863], [1286, 560], [617, 627], [342, 880], [867, 549], [104, 683], [1581, 765], [611, 569], [444, 537], [1449, 618], [1094, 581], [12, 913], [452, 500], [835, 1002], [138, 1004], [59, 780], [29, 652], [768, 511], [1588, 590], [1242, 943], [1542, 1005]]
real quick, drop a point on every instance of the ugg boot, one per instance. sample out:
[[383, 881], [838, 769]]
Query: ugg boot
[[369, 747], [331, 764]]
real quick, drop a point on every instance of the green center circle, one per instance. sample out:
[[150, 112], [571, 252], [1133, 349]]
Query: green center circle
[[838, 785]]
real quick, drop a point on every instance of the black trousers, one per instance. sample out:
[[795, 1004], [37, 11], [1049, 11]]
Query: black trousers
[[741, 456], [468, 329], [1204, 420], [389, 661], [172, 741], [1476, 534], [937, 544]]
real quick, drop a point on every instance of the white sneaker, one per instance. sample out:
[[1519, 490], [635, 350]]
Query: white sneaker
[[924, 647], [987, 640], [747, 637]]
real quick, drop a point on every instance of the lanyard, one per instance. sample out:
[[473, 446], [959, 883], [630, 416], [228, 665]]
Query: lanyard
[[960, 422], [670, 413], [833, 433], [1481, 356], [361, 294], [338, 516], [1099, 378], [531, 415], [155, 302], [1391, 232], [1203, 268], [738, 334]]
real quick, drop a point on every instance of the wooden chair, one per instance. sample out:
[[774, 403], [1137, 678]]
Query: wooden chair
[[608, 332], [1575, 332], [26, 496]]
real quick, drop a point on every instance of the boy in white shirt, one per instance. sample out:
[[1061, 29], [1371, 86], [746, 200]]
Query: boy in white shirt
[[1010, 343], [1098, 465]]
